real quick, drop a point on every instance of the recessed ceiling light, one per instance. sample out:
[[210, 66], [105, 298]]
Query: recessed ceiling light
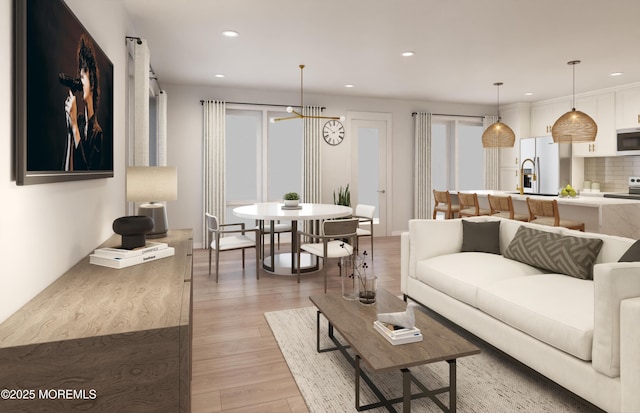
[[528, 94], [408, 53], [219, 75], [230, 33], [348, 85], [616, 74]]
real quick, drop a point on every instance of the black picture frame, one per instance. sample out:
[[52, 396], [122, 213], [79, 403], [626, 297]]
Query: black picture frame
[[46, 54]]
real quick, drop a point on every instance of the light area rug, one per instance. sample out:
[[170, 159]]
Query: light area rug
[[489, 382]]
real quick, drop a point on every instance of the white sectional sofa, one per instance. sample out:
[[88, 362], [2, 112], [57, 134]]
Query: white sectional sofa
[[583, 334]]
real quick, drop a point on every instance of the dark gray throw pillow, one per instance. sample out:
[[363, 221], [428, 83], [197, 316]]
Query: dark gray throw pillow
[[481, 236], [562, 254], [632, 254]]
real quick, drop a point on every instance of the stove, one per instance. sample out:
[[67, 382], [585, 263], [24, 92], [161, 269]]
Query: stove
[[634, 190]]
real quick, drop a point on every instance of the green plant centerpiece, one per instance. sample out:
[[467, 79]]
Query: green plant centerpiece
[[343, 197], [291, 199]]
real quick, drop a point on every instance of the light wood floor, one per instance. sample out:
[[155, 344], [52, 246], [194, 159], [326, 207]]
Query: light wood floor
[[237, 365]]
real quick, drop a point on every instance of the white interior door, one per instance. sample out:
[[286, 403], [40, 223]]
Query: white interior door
[[370, 158]]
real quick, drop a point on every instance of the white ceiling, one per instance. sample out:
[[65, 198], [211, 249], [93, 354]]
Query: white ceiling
[[462, 46]]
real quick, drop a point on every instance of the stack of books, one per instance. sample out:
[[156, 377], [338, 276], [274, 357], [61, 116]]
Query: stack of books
[[396, 334], [122, 258]]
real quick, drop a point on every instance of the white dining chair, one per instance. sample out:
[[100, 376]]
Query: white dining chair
[[336, 241], [219, 239]]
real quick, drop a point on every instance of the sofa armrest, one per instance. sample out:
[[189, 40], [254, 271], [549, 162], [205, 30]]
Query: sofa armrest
[[613, 283], [630, 354]]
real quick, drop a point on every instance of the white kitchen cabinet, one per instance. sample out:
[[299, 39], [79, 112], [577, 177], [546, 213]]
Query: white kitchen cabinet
[[601, 108], [544, 115], [628, 108], [518, 118]]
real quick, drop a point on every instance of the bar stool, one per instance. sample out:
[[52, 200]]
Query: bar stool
[[469, 206], [443, 204], [546, 213], [502, 206]]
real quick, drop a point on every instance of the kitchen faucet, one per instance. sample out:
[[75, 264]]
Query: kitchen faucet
[[522, 174]]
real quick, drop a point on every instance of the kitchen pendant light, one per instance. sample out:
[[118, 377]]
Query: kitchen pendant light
[[574, 126], [498, 135], [299, 115]]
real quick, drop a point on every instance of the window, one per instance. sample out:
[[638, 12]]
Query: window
[[263, 159], [457, 157]]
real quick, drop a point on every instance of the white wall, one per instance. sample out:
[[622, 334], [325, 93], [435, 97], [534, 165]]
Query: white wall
[[45, 229], [185, 145]]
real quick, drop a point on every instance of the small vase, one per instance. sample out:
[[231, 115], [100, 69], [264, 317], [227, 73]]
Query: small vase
[[349, 280], [291, 203], [367, 290]]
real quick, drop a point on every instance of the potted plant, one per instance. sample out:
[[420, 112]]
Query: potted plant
[[343, 197], [291, 199]]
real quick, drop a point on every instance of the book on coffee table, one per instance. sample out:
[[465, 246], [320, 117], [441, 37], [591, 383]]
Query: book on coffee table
[[398, 335]]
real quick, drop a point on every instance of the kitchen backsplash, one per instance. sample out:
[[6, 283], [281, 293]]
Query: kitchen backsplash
[[612, 172]]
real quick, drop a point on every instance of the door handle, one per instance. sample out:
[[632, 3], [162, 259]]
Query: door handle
[[382, 191]]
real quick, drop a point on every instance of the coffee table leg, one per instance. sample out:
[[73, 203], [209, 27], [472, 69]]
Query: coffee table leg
[[357, 382], [406, 390], [452, 385]]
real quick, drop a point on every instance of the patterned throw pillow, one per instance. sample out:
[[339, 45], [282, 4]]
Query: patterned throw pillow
[[562, 254]]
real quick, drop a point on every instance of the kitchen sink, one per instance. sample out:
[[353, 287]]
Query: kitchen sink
[[537, 194]]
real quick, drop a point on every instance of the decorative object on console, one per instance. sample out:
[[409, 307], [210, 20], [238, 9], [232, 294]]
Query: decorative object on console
[[367, 283], [133, 230], [498, 135], [152, 185], [574, 126], [298, 115]]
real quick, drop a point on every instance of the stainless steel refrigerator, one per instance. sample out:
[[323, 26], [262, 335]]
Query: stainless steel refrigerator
[[551, 163]]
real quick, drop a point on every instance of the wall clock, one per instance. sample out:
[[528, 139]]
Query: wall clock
[[333, 132]]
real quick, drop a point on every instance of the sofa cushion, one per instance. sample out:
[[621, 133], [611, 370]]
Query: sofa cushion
[[632, 254], [552, 308], [481, 236], [557, 253], [459, 275]]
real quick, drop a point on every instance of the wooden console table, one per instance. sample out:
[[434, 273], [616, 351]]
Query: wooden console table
[[104, 340]]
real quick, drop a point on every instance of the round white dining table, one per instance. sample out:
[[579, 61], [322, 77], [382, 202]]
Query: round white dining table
[[274, 211]]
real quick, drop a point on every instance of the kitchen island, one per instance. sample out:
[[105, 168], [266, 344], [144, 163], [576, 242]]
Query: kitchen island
[[603, 215]]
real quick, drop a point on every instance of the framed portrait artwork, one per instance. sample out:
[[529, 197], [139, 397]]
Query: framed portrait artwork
[[63, 97]]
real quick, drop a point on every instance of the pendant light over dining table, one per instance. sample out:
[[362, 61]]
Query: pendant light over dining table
[[574, 126], [498, 135]]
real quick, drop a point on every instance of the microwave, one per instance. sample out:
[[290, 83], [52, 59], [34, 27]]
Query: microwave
[[628, 141]]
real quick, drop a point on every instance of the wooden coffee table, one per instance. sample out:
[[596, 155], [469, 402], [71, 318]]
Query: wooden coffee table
[[354, 322]]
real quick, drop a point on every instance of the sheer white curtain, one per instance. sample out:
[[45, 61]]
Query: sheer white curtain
[[491, 159], [213, 161], [311, 183], [141, 62], [422, 166], [162, 128]]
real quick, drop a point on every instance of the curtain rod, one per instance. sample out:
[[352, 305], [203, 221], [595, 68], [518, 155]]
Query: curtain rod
[[449, 114], [261, 104]]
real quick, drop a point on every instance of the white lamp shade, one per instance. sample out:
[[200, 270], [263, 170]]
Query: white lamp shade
[[152, 183]]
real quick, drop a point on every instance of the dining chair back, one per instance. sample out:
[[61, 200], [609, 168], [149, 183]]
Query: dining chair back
[[365, 214], [443, 204], [502, 206], [221, 238], [546, 212], [469, 205]]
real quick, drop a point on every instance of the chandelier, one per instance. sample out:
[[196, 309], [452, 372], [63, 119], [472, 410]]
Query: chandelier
[[298, 115]]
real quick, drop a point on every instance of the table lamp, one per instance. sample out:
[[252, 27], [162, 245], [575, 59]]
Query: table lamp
[[153, 185]]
